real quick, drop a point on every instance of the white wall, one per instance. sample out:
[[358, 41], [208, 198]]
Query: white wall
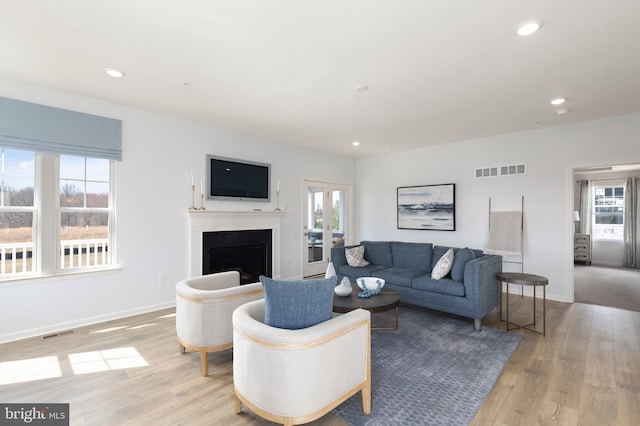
[[549, 154], [152, 195]]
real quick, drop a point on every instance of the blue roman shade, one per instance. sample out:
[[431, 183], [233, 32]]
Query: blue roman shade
[[40, 128]]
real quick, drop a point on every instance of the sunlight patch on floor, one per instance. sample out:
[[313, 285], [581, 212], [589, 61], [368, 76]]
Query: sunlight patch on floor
[[28, 370], [105, 360]]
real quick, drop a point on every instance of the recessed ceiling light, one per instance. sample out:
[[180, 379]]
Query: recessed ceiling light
[[355, 143], [527, 28], [112, 72], [362, 88], [562, 111], [558, 101]]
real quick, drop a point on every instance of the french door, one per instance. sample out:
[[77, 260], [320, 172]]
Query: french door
[[325, 223]]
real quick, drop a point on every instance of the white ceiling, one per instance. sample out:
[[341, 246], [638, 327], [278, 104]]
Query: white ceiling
[[438, 71]]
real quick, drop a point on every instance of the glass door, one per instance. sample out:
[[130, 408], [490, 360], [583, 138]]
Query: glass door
[[324, 224]]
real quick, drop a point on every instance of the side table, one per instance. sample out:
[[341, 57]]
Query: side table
[[530, 280]]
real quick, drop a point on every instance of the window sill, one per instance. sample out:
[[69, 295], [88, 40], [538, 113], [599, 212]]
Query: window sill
[[34, 279]]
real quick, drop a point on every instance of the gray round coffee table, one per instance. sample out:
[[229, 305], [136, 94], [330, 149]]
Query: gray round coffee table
[[384, 301]]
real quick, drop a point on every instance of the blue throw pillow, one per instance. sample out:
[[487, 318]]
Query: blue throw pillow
[[297, 304], [459, 262]]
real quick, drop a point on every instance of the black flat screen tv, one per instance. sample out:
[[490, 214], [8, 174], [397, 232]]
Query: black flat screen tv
[[240, 180]]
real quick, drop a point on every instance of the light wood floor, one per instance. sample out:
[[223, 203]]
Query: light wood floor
[[586, 371]]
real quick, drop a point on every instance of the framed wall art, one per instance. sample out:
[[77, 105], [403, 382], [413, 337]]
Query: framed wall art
[[427, 207]]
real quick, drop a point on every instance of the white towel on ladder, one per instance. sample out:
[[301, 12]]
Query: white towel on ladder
[[505, 234]]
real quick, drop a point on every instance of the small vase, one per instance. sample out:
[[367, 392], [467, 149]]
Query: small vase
[[344, 288], [331, 271]]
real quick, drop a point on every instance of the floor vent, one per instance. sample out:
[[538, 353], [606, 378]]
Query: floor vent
[[62, 333], [497, 171]]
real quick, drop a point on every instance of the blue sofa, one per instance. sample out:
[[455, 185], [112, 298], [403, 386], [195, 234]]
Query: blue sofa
[[470, 290]]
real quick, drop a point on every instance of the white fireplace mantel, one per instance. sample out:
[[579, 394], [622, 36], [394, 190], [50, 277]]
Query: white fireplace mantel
[[211, 221]]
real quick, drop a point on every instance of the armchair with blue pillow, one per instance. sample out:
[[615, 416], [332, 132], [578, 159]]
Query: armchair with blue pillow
[[289, 352]]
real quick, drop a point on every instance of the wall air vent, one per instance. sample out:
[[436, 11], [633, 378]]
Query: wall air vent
[[497, 171]]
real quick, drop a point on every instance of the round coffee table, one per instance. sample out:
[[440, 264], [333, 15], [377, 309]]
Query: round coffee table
[[384, 301]]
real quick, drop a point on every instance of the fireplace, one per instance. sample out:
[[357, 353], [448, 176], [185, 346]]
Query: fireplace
[[202, 222], [246, 251]]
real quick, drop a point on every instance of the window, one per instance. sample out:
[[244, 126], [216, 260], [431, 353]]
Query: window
[[85, 213], [17, 211], [38, 187], [608, 212]]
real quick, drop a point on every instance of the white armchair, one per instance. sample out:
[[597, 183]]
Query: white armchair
[[297, 376], [204, 306]]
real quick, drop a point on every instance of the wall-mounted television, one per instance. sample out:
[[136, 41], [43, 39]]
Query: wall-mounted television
[[240, 180]]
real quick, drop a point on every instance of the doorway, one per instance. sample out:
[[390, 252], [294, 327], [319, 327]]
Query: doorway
[[325, 221], [603, 280]]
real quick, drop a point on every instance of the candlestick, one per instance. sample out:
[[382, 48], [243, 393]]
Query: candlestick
[[277, 209], [202, 202], [193, 205]]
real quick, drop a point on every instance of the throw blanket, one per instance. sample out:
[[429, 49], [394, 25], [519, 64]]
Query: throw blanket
[[505, 234]]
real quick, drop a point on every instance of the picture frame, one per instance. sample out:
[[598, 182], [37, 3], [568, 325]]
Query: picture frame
[[427, 207]]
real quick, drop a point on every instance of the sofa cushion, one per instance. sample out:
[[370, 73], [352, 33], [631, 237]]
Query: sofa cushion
[[378, 252], [460, 260], [295, 304], [357, 272], [355, 256], [398, 276], [412, 255], [444, 286], [442, 268]]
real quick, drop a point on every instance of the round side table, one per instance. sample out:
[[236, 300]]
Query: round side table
[[532, 281]]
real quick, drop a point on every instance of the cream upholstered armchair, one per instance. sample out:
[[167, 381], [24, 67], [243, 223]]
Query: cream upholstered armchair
[[297, 376], [204, 306]]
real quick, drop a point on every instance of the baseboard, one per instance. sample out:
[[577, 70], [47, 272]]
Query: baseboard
[[56, 328]]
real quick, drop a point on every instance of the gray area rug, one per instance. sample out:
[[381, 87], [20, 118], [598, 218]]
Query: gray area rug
[[434, 370]]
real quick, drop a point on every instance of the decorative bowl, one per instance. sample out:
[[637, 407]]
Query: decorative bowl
[[371, 283]]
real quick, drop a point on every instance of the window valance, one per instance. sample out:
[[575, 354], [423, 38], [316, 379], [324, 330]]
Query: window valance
[[41, 128]]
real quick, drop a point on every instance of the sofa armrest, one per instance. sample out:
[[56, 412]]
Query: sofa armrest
[[481, 284], [338, 257]]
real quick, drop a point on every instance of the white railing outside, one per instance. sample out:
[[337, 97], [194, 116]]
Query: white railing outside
[[80, 253], [15, 265], [84, 257]]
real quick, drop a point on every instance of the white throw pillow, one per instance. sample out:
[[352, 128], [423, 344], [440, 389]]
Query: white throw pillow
[[355, 256], [443, 266]]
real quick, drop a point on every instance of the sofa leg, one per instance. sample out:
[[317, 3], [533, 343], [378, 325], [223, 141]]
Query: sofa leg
[[476, 323]]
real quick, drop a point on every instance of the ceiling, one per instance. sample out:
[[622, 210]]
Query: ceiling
[[286, 70]]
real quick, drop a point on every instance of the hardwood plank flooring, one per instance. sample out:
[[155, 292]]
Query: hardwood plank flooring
[[586, 371]]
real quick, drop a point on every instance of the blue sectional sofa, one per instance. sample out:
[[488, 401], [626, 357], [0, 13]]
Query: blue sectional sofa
[[470, 290]]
